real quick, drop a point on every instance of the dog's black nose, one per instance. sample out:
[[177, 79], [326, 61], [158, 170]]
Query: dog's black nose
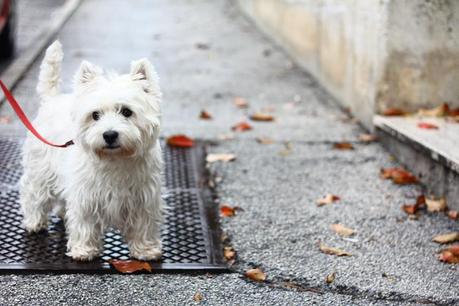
[[110, 137]]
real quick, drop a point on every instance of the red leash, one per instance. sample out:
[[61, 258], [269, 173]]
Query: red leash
[[15, 105]]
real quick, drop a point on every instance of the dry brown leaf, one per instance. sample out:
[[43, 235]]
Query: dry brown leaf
[[436, 205], [330, 278], [256, 275], [342, 230], [229, 253], [205, 115], [241, 127], [264, 140], [130, 266], [228, 211], [368, 137], [224, 157], [328, 199], [333, 251], [5, 119], [410, 209], [446, 238], [180, 141], [198, 297], [427, 126], [343, 146], [261, 117], [439, 111], [398, 176], [453, 214], [450, 255], [394, 112], [241, 102]]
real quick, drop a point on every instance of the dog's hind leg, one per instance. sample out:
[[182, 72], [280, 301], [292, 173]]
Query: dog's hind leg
[[36, 202]]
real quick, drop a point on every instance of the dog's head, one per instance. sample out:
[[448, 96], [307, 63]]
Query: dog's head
[[117, 115]]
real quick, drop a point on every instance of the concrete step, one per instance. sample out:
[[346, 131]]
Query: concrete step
[[431, 154]]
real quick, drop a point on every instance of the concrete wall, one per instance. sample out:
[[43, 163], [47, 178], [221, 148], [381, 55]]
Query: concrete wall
[[370, 54]]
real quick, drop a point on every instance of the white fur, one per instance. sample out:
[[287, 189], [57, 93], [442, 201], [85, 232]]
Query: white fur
[[96, 187]]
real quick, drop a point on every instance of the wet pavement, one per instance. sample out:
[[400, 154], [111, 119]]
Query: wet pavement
[[206, 54]]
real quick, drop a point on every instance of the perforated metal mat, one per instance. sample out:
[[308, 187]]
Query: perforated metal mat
[[190, 234]]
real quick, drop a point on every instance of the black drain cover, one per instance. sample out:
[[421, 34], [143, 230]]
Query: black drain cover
[[190, 234]]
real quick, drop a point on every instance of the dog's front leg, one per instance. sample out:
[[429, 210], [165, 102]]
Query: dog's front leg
[[143, 233], [84, 234]]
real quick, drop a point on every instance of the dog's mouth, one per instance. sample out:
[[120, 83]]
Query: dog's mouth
[[112, 147]]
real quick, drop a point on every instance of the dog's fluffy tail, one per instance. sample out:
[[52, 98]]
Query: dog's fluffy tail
[[50, 71]]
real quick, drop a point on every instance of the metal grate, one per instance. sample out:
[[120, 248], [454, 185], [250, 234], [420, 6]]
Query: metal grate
[[190, 232]]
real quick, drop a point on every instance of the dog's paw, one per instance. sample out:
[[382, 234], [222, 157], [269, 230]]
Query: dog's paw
[[146, 252], [83, 253], [35, 226]]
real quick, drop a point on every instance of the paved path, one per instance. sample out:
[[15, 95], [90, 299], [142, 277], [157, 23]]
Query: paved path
[[394, 261]]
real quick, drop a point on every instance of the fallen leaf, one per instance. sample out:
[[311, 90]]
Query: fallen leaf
[[438, 111], [229, 253], [453, 214], [180, 141], [5, 119], [330, 278], [450, 255], [398, 176], [394, 112], [333, 251], [241, 102], [228, 211], [410, 209], [198, 297], [436, 205], [427, 126], [261, 117], [446, 238], [130, 266], [256, 275], [343, 146], [205, 115], [328, 199], [226, 137], [342, 230], [242, 127], [368, 137], [224, 157], [264, 140]]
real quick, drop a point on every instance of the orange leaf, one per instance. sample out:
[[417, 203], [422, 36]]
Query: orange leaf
[[181, 141], [427, 126], [394, 112], [453, 214], [343, 146], [333, 251], [130, 266], [410, 209], [242, 127], [256, 275], [205, 115], [241, 102], [328, 199], [399, 176], [262, 117], [228, 211], [450, 255]]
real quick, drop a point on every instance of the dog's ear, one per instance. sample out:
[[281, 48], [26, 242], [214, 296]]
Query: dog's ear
[[87, 73], [143, 70]]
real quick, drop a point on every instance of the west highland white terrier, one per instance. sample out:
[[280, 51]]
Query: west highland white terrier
[[111, 176]]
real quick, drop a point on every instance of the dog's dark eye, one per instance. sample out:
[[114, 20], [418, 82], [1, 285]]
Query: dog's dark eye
[[95, 116], [126, 112]]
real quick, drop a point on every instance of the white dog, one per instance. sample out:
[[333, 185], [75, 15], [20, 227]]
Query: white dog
[[111, 177]]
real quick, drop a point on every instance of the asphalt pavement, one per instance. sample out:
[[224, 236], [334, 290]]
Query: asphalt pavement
[[207, 54]]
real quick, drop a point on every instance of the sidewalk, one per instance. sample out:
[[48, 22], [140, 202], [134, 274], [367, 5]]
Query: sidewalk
[[394, 261]]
